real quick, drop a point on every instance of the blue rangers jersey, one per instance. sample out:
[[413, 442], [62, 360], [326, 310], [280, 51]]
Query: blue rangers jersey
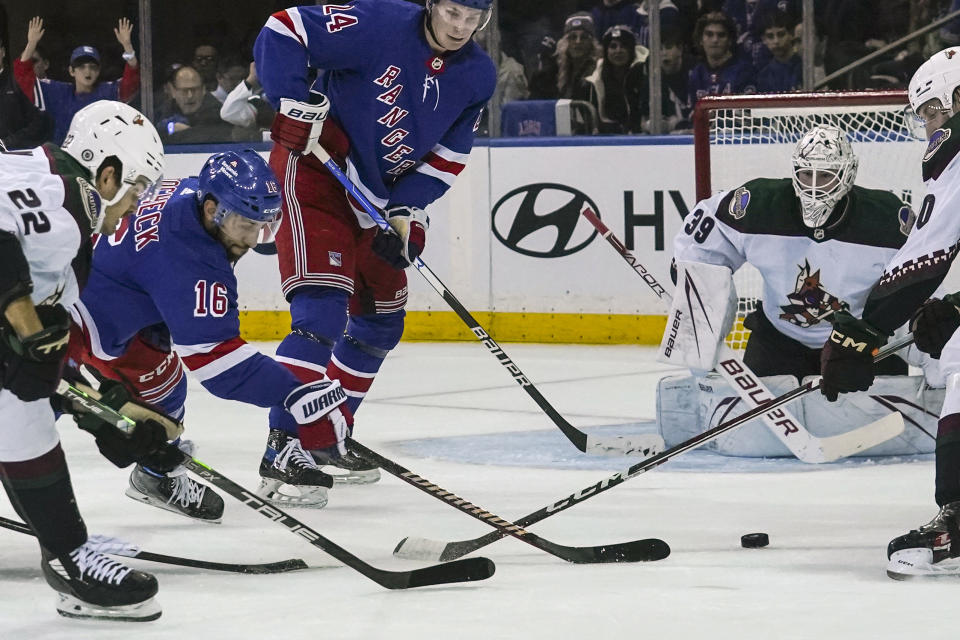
[[161, 266], [410, 114], [736, 75]]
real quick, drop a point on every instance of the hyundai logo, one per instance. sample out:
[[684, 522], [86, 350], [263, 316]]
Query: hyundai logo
[[543, 220]]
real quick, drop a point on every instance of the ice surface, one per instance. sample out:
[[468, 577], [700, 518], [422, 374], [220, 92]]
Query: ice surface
[[450, 413]]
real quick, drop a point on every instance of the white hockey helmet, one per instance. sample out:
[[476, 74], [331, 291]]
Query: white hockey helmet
[[826, 154], [936, 78], [108, 128]]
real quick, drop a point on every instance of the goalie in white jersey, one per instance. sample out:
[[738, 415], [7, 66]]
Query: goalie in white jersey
[[51, 201], [819, 242], [908, 281]]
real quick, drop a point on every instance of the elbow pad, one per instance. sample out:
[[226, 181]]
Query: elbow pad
[[15, 281]]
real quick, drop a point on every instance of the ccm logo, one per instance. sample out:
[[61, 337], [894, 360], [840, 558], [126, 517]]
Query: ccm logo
[[309, 116], [846, 342]]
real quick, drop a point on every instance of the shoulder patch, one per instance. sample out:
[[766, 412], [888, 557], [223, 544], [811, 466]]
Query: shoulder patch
[[907, 217], [936, 141], [739, 202], [91, 201]]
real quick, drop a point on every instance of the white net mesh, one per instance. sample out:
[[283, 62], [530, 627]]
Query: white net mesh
[[758, 142]]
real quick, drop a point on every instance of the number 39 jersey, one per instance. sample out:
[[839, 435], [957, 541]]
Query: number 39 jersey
[[163, 267], [48, 204], [807, 273]]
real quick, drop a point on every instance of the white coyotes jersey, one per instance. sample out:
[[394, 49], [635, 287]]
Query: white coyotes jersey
[[935, 239], [32, 207], [807, 273]]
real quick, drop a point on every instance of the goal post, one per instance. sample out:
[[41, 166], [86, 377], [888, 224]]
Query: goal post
[[739, 138]]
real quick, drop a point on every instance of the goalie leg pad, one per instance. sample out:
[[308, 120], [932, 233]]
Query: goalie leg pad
[[700, 316]]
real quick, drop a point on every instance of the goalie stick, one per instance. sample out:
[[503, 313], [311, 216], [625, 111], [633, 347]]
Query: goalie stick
[[425, 549], [282, 566], [751, 389], [461, 571], [646, 550], [643, 444]]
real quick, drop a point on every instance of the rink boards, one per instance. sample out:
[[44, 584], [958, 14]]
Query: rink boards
[[509, 242]]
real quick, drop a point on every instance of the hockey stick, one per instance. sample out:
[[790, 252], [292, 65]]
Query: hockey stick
[[283, 566], [425, 549], [644, 444], [465, 571], [634, 551], [751, 389]]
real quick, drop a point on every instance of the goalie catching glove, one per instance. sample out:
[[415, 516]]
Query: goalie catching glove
[[323, 418], [145, 443], [934, 323], [298, 125], [32, 365], [846, 362], [404, 244]]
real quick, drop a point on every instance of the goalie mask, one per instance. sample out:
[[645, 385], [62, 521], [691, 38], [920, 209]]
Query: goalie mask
[[824, 168]]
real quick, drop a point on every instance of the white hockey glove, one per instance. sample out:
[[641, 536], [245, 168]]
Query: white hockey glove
[[402, 247], [297, 125], [323, 418]]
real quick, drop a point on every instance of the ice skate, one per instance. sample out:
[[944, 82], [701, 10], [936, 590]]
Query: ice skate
[[90, 584], [932, 551], [348, 468], [289, 477], [176, 492]]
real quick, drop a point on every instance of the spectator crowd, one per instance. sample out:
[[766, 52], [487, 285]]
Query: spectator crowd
[[593, 52]]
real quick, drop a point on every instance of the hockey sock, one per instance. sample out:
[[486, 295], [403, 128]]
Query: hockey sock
[[319, 315], [948, 459], [41, 494], [361, 351]]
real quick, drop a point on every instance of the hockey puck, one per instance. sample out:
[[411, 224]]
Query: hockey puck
[[754, 540]]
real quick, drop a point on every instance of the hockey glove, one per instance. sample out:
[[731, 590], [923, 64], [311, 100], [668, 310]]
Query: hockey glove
[[33, 365], [846, 362], [147, 440], [934, 323], [323, 418], [401, 247], [297, 125]]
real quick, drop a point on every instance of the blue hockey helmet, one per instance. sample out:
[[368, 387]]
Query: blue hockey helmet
[[483, 5], [241, 182]]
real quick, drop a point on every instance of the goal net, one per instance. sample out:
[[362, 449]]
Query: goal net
[[738, 138]]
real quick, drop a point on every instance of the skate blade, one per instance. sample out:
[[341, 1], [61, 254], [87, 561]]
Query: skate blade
[[902, 568], [281, 494], [69, 606], [348, 476], [160, 504]]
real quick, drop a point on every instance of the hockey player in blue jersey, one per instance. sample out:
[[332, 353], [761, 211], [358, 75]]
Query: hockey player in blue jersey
[[170, 271], [401, 120]]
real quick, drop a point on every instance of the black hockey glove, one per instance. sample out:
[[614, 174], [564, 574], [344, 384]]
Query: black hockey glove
[[404, 243], [147, 441], [934, 323], [33, 365], [846, 362]]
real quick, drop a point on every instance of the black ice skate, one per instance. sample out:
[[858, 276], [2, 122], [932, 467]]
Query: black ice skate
[[90, 584], [176, 492], [348, 468], [931, 551], [288, 475]]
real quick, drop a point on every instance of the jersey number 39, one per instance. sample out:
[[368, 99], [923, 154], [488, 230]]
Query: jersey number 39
[[699, 226]]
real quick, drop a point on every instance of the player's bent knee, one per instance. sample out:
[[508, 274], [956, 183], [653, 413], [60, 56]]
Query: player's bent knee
[[319, 313], [380, 332]]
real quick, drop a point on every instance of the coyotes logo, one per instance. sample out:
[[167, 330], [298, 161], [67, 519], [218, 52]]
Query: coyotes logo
[[811, 302]]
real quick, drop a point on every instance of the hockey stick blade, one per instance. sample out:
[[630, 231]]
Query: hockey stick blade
[[465, 571], [468, 570], [282, 566], [634, 551], [451, 550], [579, 439], [647, 550]]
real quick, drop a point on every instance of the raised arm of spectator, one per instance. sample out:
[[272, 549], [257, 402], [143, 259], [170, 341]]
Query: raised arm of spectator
[[130, 82], [236, 107], [23, 67]]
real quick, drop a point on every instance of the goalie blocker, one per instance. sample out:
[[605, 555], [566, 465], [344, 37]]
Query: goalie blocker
[[700, 317]]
